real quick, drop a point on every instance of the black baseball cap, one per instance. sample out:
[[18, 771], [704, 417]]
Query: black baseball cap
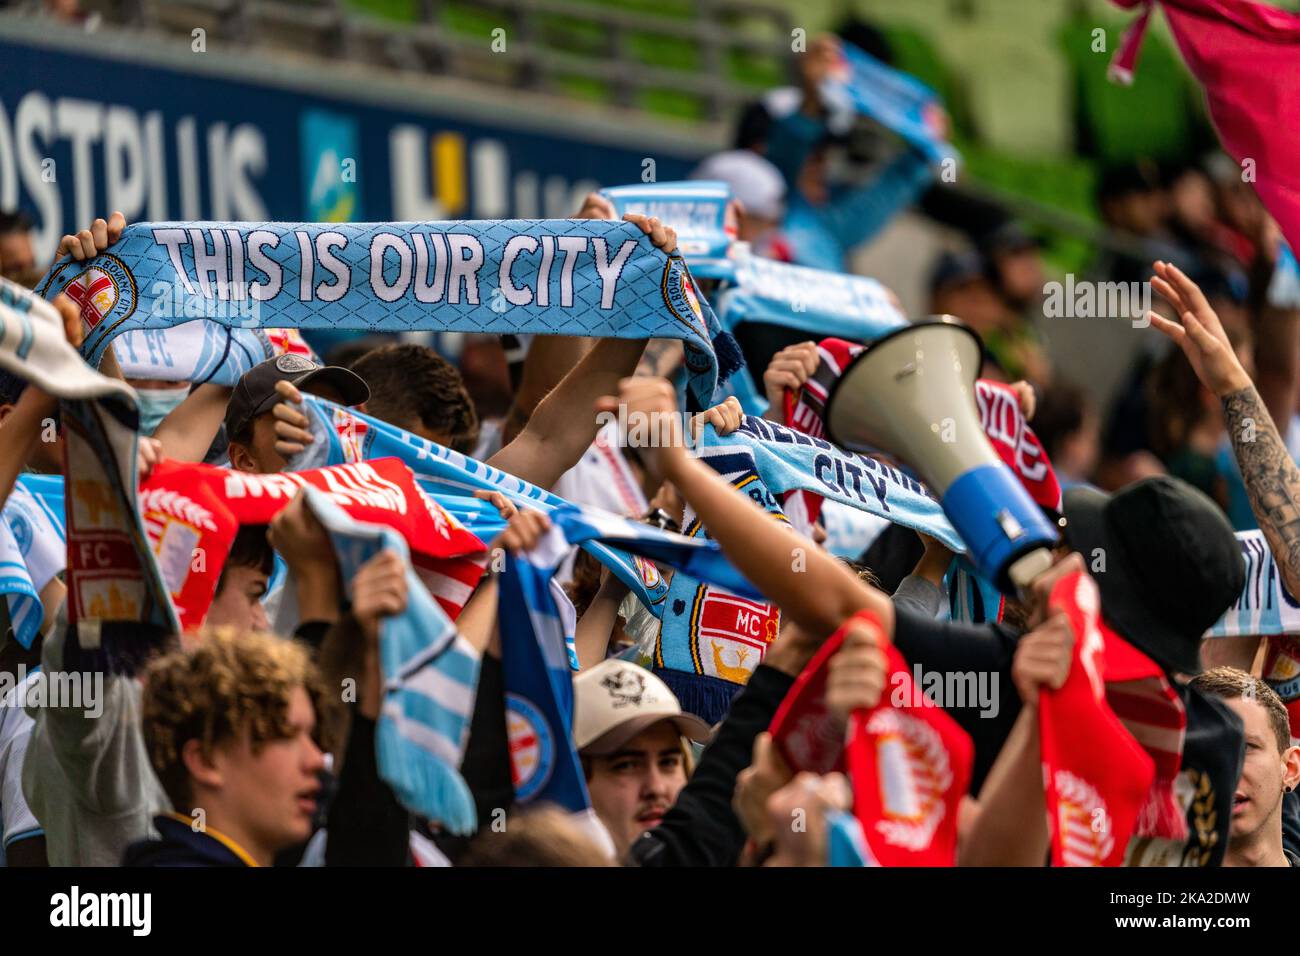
[[255, 392], [1172, 564]]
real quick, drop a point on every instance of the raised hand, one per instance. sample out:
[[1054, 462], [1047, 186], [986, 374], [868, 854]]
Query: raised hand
[[725, 418], [1042, 659], [1201, 335], [379, 590], [596, 206], [523, 532], [91, 242], [650, 408], [292, 427], [664, 237], [855, 674], [790, 368]]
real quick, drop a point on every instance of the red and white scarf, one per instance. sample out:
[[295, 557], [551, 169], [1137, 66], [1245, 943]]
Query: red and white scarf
[[1111, 738], [192, 513], [909, 765]]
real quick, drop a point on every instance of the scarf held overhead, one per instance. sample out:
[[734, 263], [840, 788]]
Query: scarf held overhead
[[429, 672], [193, 511], [556, 277]]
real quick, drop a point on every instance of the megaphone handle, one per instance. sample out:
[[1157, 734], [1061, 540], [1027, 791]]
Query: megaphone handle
[[1029, 566]]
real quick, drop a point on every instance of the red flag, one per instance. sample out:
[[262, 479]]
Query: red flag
[[1096, 776], [908, 761], [1247, 57], [192, 512]]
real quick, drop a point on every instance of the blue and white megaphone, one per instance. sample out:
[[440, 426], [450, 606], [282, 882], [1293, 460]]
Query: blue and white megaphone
[[911, 393]]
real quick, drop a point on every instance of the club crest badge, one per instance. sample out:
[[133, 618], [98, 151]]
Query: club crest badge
[[352, 431], [104, 292], [1081, 817], [680, 297], [915, 773], [292, 363], [532, 748]]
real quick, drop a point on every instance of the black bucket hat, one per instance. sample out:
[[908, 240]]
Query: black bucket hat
[[1172, 564]]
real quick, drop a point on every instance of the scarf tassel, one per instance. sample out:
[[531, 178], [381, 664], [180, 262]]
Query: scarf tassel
[[412, 771], [1124, 62], [708, 698]]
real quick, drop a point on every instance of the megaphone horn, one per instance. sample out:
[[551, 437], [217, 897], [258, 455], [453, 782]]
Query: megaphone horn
[[911, 393]]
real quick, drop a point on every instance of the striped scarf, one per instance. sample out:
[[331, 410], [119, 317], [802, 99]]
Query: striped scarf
[[33, 549], [430, 676]]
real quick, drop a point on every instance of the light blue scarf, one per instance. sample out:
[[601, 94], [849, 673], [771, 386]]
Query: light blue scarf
[[558, 277], [1265, 606], [430, 678], [696, 209], [452, 478], [821, 303], [537, 623], [33, 549], [894, 99]]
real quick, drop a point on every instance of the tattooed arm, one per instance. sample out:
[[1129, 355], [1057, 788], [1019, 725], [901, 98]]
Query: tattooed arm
[[1272, 479]]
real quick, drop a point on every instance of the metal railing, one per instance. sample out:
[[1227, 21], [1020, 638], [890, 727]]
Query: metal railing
[[539, 53]]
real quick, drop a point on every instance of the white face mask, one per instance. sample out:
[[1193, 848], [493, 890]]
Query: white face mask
[[156, 404], [642, 627]]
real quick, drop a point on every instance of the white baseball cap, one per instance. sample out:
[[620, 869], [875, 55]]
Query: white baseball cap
[[754, 181], [616, 700]]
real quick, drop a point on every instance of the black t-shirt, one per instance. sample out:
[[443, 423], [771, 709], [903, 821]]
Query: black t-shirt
[[971, 657]]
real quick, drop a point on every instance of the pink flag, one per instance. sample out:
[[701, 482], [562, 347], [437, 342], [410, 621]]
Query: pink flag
[[1247, 56]]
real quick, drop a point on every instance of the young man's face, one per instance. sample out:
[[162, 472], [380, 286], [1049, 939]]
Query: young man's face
[[1258, 800], [258, 456], [17, 255], [273, 791], [633, 788], [238, 603]]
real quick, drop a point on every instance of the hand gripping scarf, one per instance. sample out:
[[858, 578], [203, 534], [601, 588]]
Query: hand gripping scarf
[[192, 512], [430, 672], [342, 435], [909, 763], [118, 609], [892, 98], [711, 640], [556, 277]]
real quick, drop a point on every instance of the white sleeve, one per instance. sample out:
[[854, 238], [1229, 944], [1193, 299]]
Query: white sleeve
[[16, 817]]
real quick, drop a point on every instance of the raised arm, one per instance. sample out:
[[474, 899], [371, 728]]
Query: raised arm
[[563, 426], [815, 590], [1272, 479]]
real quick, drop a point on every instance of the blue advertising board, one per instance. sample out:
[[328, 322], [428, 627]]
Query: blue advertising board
[[84, 132]]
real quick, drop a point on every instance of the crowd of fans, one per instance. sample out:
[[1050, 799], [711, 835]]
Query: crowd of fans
[[242, 729]]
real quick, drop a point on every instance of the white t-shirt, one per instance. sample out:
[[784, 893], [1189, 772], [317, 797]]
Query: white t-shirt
[[16, 818]]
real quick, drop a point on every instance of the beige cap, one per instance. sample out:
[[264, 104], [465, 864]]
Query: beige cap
[[616, 700]]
